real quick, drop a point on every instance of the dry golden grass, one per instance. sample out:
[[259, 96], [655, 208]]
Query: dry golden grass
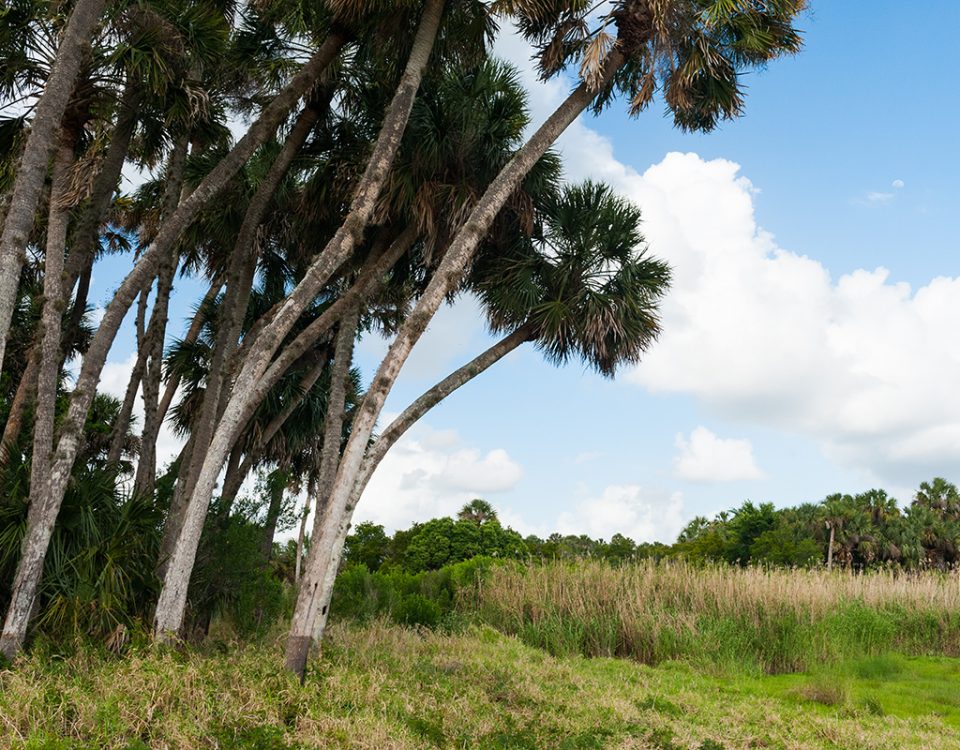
[[777, 620]]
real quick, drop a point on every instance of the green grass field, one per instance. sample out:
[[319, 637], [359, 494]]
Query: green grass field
[[381, 686]]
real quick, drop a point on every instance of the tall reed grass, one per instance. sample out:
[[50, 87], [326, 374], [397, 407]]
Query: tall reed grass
[[744, 618]]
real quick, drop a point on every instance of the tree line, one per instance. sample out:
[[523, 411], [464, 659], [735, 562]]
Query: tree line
[[328, 171], [863, 531]]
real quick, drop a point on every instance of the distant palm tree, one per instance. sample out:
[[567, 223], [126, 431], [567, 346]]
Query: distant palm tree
[[477, 511]]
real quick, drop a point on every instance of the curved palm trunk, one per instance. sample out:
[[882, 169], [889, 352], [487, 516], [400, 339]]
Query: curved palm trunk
[[302, 535], [149, 337], [41, 142], [83, 251], [412, 414], [327, 547], [159, 316], [79, 263], [239, 282], [119, 431], [237, 296], [31, 557], [53, 489], [238, 470], [193, 332], [173, 596], [396, 429], [298, 651]]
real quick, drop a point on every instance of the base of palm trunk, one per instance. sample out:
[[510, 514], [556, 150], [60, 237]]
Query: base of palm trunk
[[298, 650], [10, 645]]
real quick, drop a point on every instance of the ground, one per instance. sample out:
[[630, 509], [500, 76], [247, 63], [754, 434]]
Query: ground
[[383, 686]]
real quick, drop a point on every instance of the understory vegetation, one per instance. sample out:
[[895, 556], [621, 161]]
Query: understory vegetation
[[381, 686]]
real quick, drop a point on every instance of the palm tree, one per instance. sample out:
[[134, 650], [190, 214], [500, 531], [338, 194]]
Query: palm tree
[[585, 288], [694, 49], [48, 497], [40, 144], [477, 511]]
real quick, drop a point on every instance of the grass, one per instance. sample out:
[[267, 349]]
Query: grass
[[725, 619], [381, 686]]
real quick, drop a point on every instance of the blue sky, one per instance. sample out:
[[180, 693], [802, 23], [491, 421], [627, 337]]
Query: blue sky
[[790, 367]]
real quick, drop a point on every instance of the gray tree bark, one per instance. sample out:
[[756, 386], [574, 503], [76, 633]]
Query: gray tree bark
[[52, 491], [79, 263], [47, 380], [157, 330], [173, 595], [330, 453], [31, 563], [236, 474], [240, 275], [41, 142], [326, 548]]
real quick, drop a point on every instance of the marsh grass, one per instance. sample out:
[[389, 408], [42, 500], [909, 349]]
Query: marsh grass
[[721, 618], [389, 687]]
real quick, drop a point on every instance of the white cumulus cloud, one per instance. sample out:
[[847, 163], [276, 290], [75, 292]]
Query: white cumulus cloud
[[759, 334], [704, 457], [431, 473], [628, 509]]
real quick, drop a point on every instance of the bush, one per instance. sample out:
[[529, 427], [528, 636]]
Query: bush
[[415, 609]]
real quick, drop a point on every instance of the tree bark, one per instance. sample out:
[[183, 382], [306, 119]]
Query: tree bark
[[273, 515], [122, 423], [237, 295], [146, 474], [83, 250], [240, 274], [31, 564], [302, 535], [79, 263], [298, 650], [326, 548], [47, 378], [52, 491], [193, 332], [173, 595], [236, 474], [830, 550], [41, 142]]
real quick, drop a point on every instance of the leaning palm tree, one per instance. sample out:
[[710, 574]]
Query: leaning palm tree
[[584, 288], [692, 50]]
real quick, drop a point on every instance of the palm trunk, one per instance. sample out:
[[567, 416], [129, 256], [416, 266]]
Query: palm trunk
[[157, 330], [232, 481], [173, 596], [72, 428], [830, 550], [235, 475], [239, 282], [122, 423], [270, 524], [196, 326], [396, 429], [31, 563], [87, 231], [41, 142], [302, 535], [47, 378], [243, 404], [297, 651], [325, 550], [79, 263]]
